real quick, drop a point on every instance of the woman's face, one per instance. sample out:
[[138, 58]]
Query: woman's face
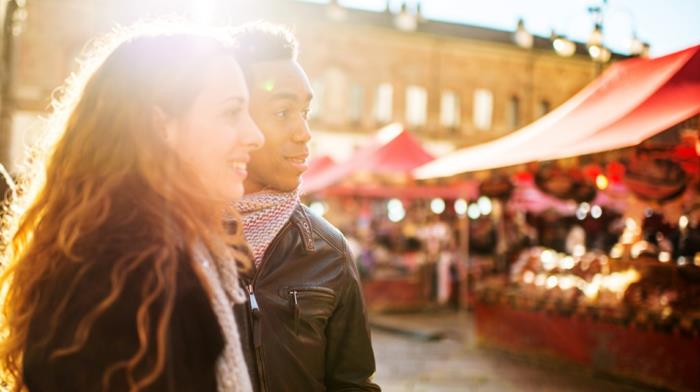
[[216, 134]]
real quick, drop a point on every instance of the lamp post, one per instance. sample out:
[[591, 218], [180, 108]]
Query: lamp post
[[563, 46], [405, 20], [595, 46], [596, 49], [13, 17], [335, 11], [522, 37]]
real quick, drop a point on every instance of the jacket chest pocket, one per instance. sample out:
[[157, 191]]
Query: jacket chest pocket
[[311, 307]]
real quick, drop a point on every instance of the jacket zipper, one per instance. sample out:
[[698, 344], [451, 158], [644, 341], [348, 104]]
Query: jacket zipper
[[297, 311], [253, 301], [294, 301], [255, 310]]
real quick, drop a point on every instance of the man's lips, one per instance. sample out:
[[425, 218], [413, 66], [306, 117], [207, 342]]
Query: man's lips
[[298, 161]]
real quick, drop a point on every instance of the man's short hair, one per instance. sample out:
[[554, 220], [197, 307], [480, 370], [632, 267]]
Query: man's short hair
[[262, 41]]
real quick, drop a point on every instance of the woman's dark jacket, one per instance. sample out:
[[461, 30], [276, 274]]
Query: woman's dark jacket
[[194, 337]]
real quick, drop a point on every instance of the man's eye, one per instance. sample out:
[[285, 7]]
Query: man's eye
[[306, 113], [282, 113]]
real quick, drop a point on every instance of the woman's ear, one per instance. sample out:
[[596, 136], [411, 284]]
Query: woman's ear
[[165, 126]]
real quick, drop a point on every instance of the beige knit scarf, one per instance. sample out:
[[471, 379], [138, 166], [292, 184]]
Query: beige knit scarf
[[264, 214], [222, 278]]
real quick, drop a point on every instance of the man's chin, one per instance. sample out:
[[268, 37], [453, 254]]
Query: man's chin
[[289, 185], [257, 183]]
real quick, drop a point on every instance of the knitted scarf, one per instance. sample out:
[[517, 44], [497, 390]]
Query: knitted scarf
[[264, 214], [222, 278]]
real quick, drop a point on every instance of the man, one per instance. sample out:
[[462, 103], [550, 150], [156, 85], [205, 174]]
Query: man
[[305, 325]]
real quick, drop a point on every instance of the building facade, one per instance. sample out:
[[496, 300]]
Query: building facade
[[450, 84]]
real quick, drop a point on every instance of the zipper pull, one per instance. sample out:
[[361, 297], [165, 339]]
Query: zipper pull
[[255, 310], [295, 308], [253, 301]]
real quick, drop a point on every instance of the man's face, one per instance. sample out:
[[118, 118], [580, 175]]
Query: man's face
[[280, 95]]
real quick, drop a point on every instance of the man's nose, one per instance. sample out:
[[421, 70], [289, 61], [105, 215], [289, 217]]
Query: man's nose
[[302, 133]]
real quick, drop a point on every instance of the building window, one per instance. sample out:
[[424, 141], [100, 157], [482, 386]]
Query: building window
[[513, 113], [483, 109], [383, 103], [356, 100], [416, 106], [544, 107], [335, 104], [317, 102], [449, 110]]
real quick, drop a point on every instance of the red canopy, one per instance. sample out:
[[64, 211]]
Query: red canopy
[[318, 165], [399, 154], [632, 101], [464, 190]]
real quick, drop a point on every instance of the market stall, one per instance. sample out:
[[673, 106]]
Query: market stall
[[389, 157], [632, 101], [613, 198], [390, 220]]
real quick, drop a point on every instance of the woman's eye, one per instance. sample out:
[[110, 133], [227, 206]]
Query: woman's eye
[[233, 112], [281, 113], [306, 113]]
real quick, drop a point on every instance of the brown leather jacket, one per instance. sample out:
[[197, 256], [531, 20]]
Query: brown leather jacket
[[305, 326]]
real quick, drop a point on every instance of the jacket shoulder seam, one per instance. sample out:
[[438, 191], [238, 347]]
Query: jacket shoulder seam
[[329, 241], [335, 240]]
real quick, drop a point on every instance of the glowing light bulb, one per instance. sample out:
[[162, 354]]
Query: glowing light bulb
[[601, 182], [318, 207], [437, 206], [473, 211], [485, 205], [461, 206]]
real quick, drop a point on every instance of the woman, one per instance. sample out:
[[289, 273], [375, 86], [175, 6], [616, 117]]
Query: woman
[[118, 261]]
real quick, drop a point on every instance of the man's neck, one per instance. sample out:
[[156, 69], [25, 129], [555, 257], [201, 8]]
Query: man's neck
[[252, 187]]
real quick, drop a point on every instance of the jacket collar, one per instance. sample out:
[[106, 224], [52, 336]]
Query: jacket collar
[[301, 219]]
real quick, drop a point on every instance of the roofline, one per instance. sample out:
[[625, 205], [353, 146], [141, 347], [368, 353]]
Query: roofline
[[307, 11]]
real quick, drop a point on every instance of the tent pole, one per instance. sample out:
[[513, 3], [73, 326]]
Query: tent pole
[[464, 251]]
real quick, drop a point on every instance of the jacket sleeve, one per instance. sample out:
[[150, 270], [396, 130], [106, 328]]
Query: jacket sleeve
[[349, 356]]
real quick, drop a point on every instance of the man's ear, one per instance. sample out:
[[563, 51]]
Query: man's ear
[[164, 125]]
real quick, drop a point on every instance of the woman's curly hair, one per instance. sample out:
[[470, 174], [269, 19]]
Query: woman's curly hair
[[101, 144]]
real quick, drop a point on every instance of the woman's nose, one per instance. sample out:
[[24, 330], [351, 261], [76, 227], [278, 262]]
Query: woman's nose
[[252, 136]]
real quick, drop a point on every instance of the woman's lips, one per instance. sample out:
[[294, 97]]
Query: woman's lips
[[240, 168]]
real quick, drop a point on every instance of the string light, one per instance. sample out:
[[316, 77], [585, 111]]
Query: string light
[[460, 207]]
